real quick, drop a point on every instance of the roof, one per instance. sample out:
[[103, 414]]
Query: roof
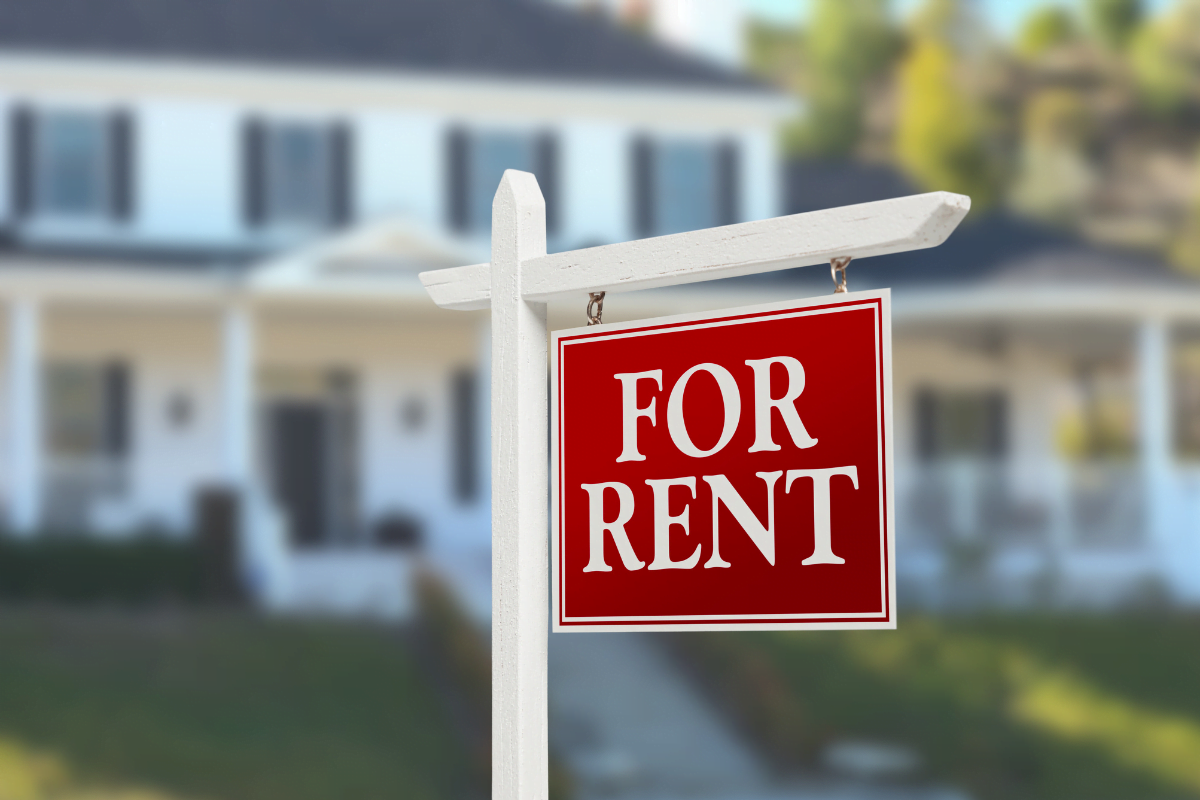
[[495, 38]]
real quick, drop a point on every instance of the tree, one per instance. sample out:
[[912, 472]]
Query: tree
[[1114, 22], [1054, 178], [1165, 56], [847, 44], [941, 135], [1044, 29]]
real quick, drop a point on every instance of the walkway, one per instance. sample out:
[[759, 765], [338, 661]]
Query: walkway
[[630, 727]]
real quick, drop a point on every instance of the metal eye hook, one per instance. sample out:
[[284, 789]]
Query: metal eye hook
[[595, 308], [837, 270]]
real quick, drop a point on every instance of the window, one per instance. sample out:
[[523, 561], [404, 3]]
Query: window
[[87, 408], [476, 163], [961, 424], [72, 163], [297, 174], [683, 185]]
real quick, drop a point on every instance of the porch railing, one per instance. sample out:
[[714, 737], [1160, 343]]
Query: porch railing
[[1012, 504]]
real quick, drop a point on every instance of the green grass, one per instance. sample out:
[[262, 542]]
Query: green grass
[[1005, 706], [215, 705]]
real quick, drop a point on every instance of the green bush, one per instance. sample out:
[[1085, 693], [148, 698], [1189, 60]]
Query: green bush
[[81, 570]]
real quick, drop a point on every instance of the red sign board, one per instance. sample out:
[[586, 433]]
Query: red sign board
[[725, 471]]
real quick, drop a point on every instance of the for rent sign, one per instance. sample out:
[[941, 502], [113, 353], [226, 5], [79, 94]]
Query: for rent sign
[[730, 470]]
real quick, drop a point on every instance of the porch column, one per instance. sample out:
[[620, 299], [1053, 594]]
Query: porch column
[[24, 415], [237, 395], [1154, 424]]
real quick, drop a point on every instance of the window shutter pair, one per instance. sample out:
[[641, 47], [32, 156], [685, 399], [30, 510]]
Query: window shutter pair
[[120, 161], [254, 173], [458, 178]]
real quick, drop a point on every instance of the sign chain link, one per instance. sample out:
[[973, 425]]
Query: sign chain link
[[595, 308], [837, 270]]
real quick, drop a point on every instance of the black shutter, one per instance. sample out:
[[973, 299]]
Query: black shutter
[[546, 170], [21, 155], [116, 409], [121, 165], [728, 183], [996, 414], [927, 421], [458, 179], [463, 398], [254, 172], [341, 177], [642, 181]]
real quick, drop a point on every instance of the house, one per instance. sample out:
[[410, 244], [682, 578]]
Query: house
[[214, 215], [1047, 409]]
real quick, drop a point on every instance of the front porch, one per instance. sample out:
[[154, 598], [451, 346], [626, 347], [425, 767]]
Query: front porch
[[1047, 456], [348, 425]]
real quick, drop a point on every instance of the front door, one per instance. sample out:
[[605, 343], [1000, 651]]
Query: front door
[[299, 455]]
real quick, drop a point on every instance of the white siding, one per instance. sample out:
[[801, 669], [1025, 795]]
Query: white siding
[[400, 167], [172, 461], [596, 193], [761, 191], [188, 173]]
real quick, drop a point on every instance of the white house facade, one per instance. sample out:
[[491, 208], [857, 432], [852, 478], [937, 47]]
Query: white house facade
[[213, 225]]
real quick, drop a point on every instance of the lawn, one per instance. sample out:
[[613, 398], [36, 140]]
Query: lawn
[[216, 706], [1005, 706]]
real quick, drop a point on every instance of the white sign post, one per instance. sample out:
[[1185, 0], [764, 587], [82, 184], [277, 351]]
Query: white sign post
[[517, 283]]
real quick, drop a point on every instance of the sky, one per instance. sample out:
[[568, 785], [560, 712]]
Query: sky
[[1005, 15]]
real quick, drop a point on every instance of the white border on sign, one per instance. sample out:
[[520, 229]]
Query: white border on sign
[[762, 622]]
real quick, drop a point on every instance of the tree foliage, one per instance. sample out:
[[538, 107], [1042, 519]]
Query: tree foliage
[[1114, 22], [941, 133], [1165, 56], [847, 44], [1046, 28]]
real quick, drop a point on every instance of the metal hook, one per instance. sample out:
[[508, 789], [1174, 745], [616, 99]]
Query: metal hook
[[595, 308], [837, 270]]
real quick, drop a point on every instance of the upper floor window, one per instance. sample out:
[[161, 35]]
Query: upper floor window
[[296, 174], [476, 162], [72, 163], [683, 185]]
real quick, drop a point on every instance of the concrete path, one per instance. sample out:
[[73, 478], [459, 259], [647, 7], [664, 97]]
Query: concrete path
[[626, 723], [630, 727]]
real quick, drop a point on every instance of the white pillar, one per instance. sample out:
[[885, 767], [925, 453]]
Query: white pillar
[[1154, 425], [520, 523], [24, 415], [237, 395]]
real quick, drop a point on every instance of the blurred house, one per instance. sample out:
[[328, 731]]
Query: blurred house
[[214, 217], [1047, 409]]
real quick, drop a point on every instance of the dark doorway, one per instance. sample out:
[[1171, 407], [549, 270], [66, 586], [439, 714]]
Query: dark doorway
[[299, 445]]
